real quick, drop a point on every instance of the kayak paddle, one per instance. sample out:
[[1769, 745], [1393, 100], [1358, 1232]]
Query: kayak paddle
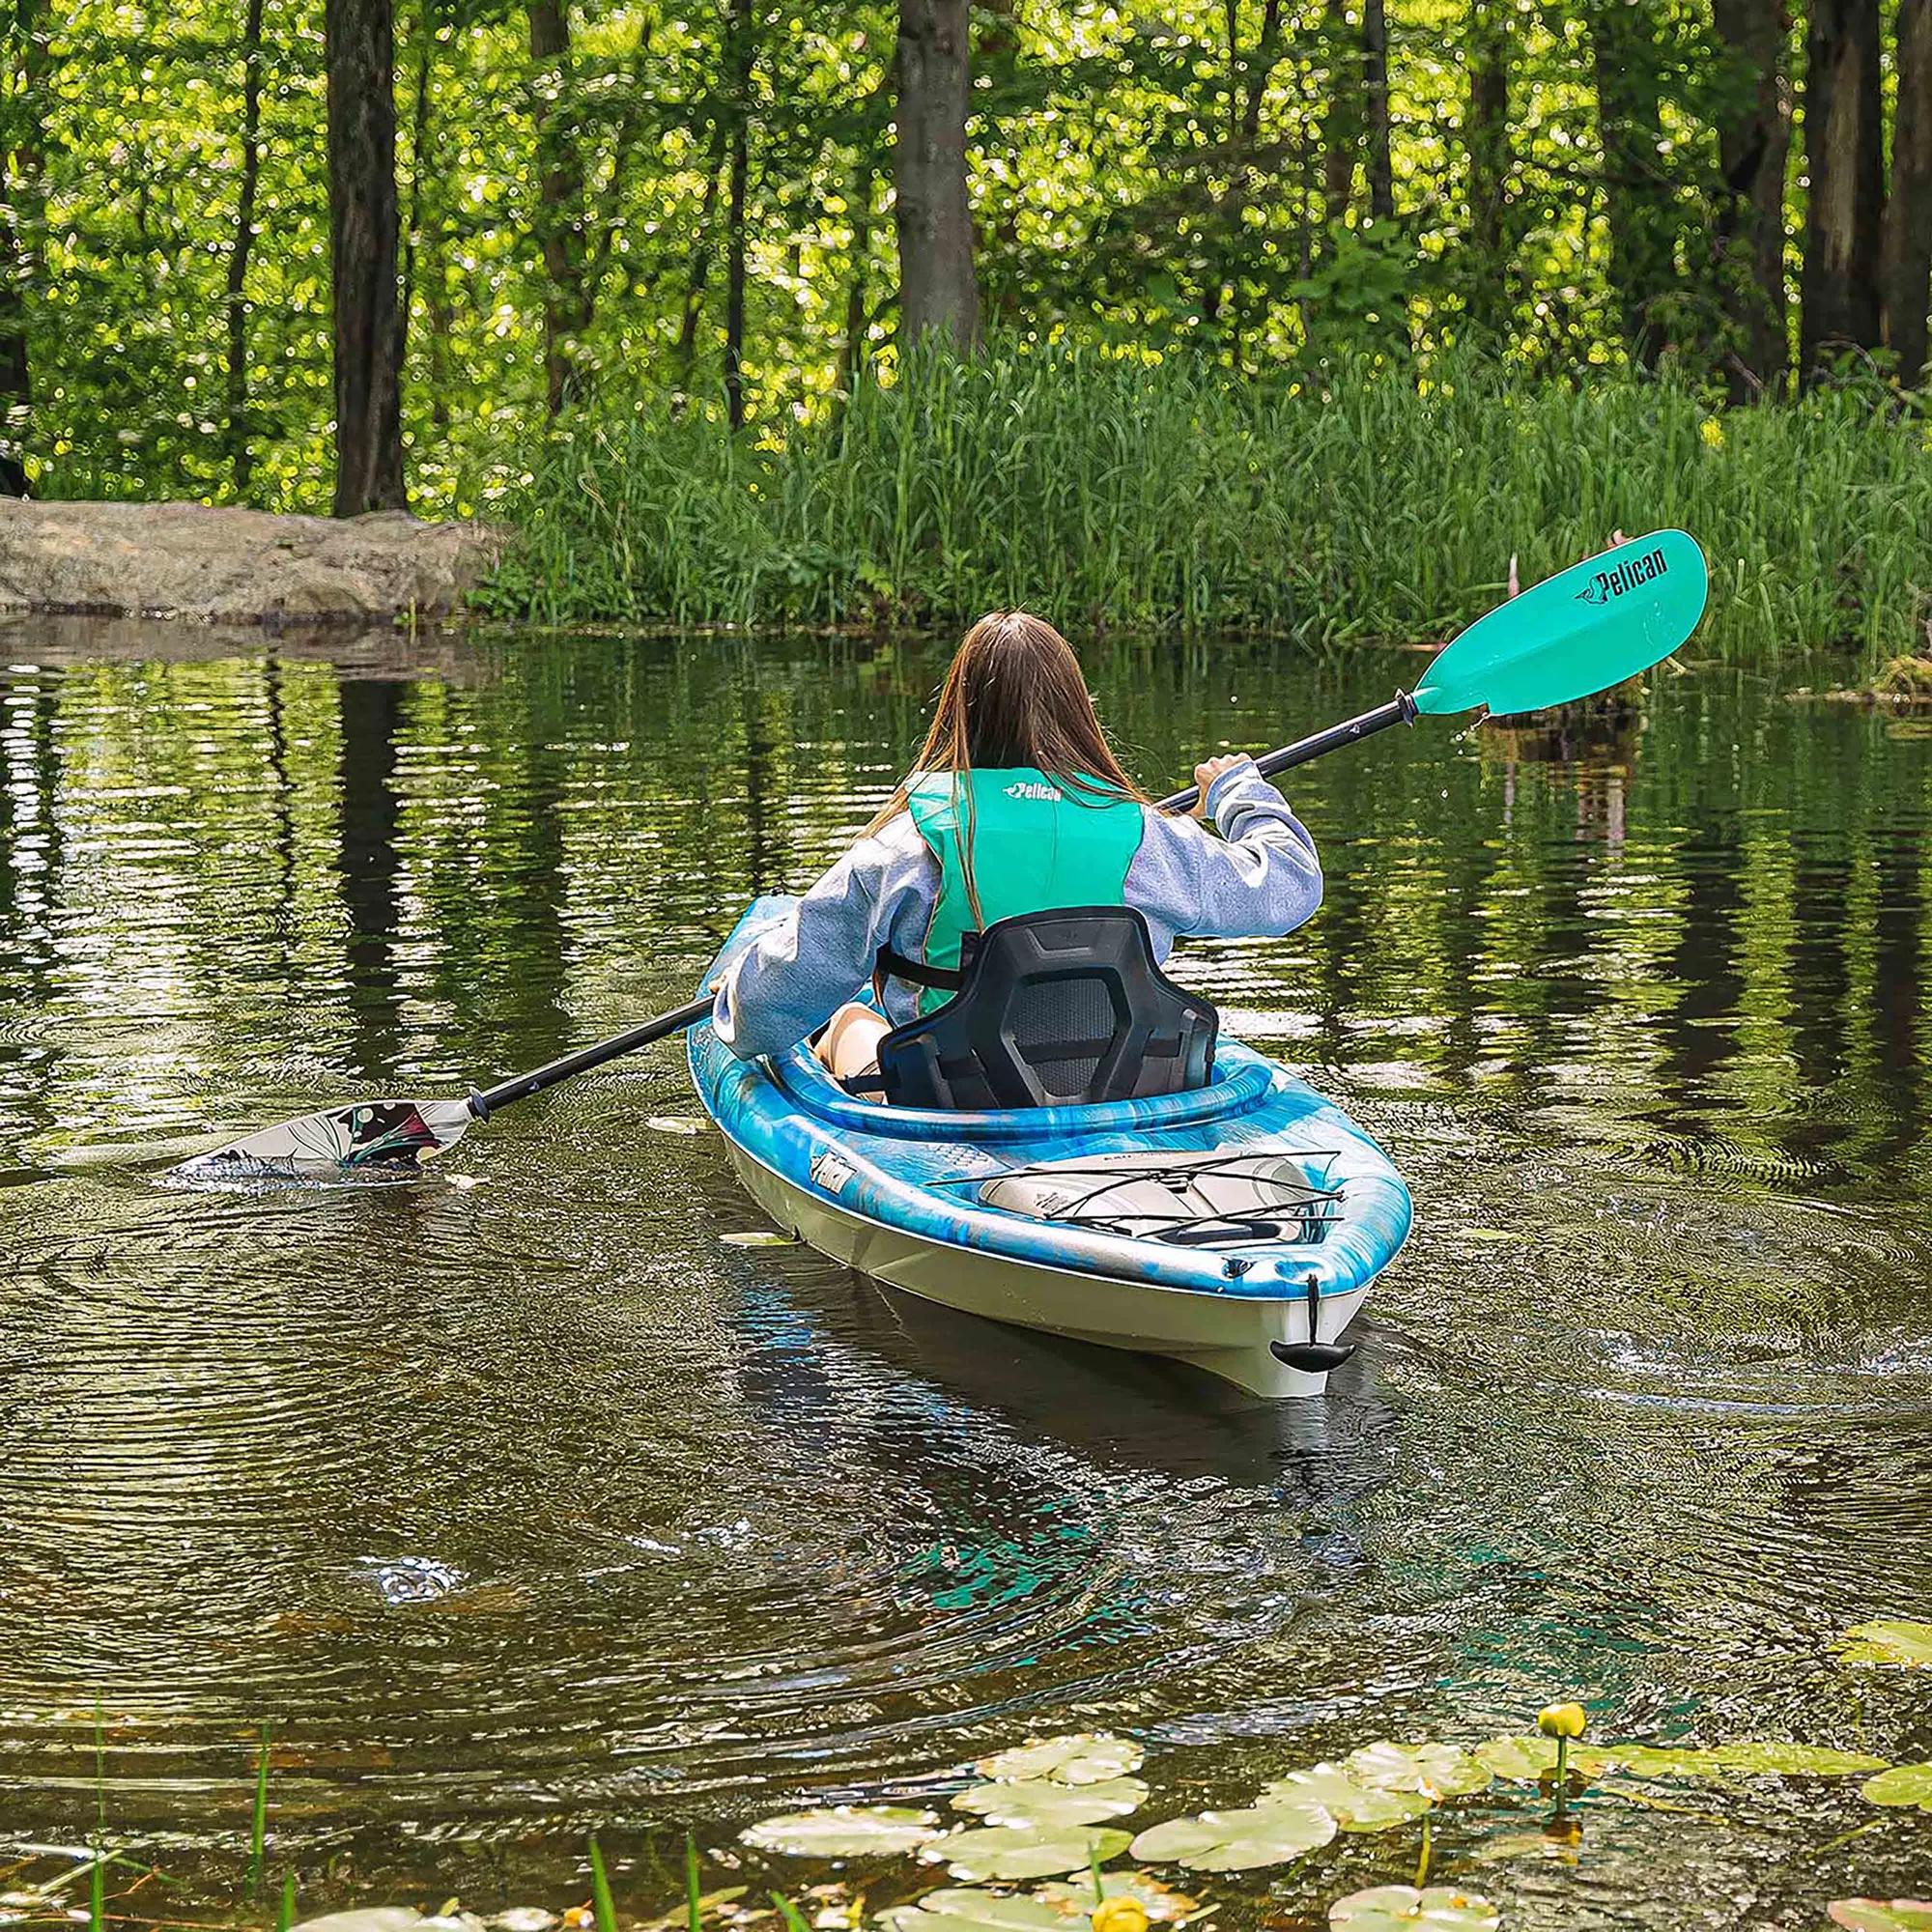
[[1586, 628], [1576, 633]]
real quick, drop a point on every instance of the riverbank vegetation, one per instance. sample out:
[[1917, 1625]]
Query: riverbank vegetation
[[304, 253], [1375, 502]]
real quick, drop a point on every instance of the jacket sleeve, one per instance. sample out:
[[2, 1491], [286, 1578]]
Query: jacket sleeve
[[796, 973], [1260, 879]]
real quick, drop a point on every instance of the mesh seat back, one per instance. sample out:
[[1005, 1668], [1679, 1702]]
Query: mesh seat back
[[1055, 1009]]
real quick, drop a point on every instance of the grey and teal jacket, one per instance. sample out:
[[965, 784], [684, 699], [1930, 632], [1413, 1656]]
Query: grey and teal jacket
[[1259, 878]]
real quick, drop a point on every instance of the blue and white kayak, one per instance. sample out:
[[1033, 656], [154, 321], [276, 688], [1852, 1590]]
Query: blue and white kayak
[[1231, 1228]]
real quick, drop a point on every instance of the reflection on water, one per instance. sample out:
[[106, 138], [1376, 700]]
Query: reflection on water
[[527, 1506]]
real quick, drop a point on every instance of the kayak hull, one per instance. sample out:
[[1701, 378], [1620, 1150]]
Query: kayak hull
[[1229, 1228]]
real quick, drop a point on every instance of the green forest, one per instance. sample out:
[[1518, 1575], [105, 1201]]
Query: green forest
[[350, 254]]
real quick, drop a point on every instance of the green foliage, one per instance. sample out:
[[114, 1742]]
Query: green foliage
[[602, 1907], [1023, 1851], [1366, 506], [1392, 1908], [845, 1832], [1243, 1839], [1191, 179], [258, 1824], [1893, 1640], [1082, 1757], [1879, 1914], [1906, 1785]]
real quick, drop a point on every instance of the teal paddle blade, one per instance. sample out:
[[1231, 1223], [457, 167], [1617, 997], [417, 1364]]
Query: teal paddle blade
[[1582, 631]]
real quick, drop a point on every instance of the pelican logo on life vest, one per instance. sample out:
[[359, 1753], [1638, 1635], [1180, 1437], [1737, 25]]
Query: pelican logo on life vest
[[832, 1171], [1609, 584], [1031, 788]]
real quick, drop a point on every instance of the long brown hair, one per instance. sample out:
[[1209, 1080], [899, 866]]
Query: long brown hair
[[1013, 695]]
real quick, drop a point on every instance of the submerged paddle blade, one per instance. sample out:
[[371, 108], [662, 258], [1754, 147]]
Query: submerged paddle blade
[[1576, 633], [369, 1139]]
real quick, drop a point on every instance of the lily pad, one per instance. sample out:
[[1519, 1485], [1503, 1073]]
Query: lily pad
[[677, 1123], [1240, 1840], [1084, 1757], [845, 1832], [757, 1238], [368, 1918], [960, 1909], [1526, 1760], [1400, 1908], [1889, 1641], [1908, 1785], [1740, 1760], [1039, 1801], [1437, 1771], [1522, 1760], [1881, 1915], [1163, 1904], [1023, 1851], [1354, 1806]]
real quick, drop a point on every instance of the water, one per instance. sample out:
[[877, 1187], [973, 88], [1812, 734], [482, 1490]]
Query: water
[[525, 1506]]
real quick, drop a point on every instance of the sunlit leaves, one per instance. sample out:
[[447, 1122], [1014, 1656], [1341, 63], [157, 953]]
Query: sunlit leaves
[[1402, 1908], [1905, 1784], [1889, 1641], [1243, 1839], [955, 1909], [1073, 1898], [1041, 1800], [845, 1832], [1023, 1851], [1437, 1771], [1526, 1760], [1879, 1914], [1084, 1757], [1357, 1805]]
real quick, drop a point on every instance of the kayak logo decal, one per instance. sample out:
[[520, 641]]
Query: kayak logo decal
[[832, 1171], [1610, 584], [1047, 794]]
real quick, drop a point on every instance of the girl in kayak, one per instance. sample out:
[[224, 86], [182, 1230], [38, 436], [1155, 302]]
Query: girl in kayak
[[1017, 805]]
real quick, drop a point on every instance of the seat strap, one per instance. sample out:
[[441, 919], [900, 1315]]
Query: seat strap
[[895, 965]]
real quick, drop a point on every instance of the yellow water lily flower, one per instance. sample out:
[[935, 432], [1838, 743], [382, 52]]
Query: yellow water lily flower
[[1119, 1914], [1562, 1720]]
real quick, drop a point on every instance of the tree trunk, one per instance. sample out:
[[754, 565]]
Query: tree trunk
[[1487, 136], [1376, 105], [559, 197], [1753, 144], [20, 216], [701, 251], [852, 339], [1341, 124], [933, 218], [240, 457], [739, 52], [1843, 135], [1630, 120], [360, 45], [1905, 253]]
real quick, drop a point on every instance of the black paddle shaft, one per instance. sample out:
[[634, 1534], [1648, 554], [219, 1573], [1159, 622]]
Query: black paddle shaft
[[521, 1086], [1398, 710]]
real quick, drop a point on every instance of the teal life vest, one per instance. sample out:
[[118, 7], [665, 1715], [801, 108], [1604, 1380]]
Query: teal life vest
[[1036, 844]]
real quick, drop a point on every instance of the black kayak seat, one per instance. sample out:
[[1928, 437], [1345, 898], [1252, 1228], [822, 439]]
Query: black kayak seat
[[1062, 1008]]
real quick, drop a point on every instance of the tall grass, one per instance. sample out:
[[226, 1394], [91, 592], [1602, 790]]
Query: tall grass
[[1105, 492]]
